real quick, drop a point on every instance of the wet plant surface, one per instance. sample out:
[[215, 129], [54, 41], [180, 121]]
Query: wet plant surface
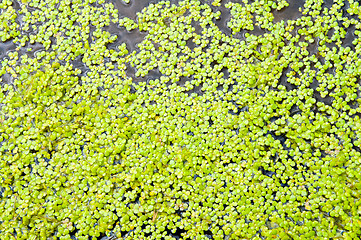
[[180, 119]]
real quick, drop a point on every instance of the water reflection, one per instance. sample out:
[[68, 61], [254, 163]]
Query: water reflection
[[291, 12]]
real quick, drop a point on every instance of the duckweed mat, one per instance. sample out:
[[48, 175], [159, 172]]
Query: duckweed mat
[[126, 119]]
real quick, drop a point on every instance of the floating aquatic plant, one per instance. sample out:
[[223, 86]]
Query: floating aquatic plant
[[237, 136]]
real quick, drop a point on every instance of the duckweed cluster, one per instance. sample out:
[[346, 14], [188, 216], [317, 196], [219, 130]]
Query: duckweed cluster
[[238, 136]]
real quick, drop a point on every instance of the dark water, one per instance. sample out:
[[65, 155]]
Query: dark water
[[6, 47], [131, 38], [289, 13]]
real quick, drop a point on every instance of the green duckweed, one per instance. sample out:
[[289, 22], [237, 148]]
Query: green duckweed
[[191, 132]]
